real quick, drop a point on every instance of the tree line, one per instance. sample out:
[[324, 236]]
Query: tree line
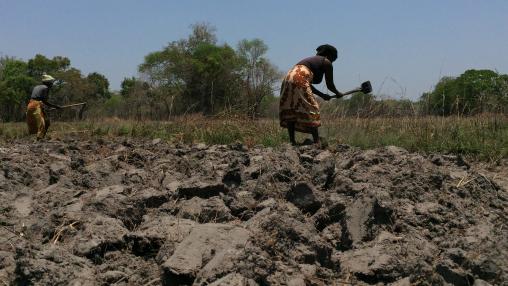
[[197, 74], [473, 92], [18, 77]]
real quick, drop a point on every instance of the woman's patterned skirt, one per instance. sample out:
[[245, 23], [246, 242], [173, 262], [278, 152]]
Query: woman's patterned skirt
[[36, 118], [297, 102]]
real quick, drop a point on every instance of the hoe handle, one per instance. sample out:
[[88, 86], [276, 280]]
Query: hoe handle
[[352, 91], [69, 105], [365, 88]]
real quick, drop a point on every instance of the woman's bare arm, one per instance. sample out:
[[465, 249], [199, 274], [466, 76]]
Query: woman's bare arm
[[329, 78]]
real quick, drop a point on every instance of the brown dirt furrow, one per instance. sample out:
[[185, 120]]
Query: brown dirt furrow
[[117, 212]]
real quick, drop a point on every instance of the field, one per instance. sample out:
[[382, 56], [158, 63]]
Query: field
[[482, 137], [201, 201]]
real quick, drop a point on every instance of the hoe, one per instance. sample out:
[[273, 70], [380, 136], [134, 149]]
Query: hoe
[[366, 87], [82, 104]]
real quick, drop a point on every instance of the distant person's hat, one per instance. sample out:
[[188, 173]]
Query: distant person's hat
[[47, 78]]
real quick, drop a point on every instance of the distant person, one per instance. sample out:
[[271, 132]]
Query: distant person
[[298, 109], [36, 117]]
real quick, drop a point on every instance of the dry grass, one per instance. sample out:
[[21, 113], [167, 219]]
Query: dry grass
[[484, 136]]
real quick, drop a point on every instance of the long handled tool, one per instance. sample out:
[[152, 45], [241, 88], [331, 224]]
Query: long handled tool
[[81, 110], [366, 87], [70, 105]]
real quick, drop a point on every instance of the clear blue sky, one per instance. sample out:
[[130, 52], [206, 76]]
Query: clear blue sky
[[402, 46]]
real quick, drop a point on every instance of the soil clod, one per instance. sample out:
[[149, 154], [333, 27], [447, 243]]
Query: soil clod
[[133, 212]]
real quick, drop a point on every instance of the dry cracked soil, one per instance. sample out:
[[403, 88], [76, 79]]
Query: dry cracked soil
[[127, 212]]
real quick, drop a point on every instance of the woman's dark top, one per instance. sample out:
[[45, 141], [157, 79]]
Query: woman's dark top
[[40, 92], [317, 65]]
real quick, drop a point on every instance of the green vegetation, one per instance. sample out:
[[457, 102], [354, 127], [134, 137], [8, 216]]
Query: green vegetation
[[196, 90], [473, 92], [190, 75], [482, 137], [198, 75], [17, 78]]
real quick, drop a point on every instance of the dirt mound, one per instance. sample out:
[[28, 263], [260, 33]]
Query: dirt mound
[[147, 213]]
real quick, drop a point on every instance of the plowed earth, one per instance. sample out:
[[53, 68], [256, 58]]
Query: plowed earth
[[99, 212]]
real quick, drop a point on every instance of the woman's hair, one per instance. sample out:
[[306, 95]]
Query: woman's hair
[[328, 51]]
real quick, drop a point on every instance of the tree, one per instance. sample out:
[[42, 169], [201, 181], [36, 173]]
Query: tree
[[15, 86], [196, 74], [100, 86], [193, 74], [482, 91], [215, 69], [202, 33], [127, 85], [41, 64], [113, 105], [474, 91], [259, 74], [17, 79], [166, 72], [137, 96], [439, 102]]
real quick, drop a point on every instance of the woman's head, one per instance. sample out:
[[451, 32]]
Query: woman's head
[[327, 51]]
